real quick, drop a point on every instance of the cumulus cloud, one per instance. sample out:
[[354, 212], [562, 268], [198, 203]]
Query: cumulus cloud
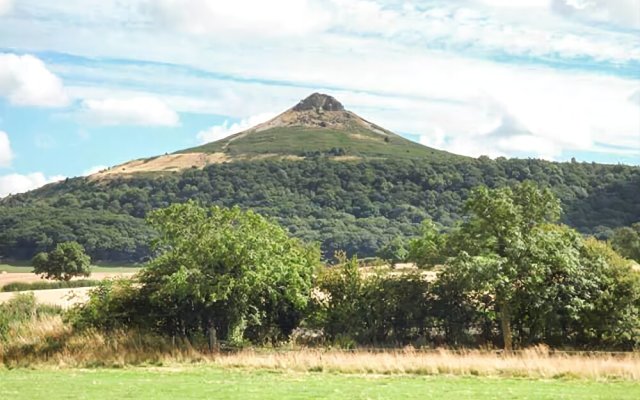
[[505, 136], [5, 6], [25, 80], [146, 111], [617, 12], [219, 132], [18, 183], [6, 154]]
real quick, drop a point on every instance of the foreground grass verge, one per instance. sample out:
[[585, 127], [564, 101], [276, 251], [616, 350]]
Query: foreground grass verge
[[47, 341], [197, 382]]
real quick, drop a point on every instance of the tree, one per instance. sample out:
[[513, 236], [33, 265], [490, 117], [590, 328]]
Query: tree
[[340, 295], [427, 249], [497, 241], [64, 262], [393, 252], [613, 320], [226, 272], [626, 241]]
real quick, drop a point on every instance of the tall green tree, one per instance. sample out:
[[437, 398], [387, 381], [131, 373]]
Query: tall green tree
[[494, 240], [66, 261]]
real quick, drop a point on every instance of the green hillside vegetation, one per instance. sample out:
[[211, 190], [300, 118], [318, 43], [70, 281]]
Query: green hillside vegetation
[[357, 206], [305, 141]]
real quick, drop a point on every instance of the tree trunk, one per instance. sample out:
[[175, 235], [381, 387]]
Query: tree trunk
[[505, 322], [213, 339]]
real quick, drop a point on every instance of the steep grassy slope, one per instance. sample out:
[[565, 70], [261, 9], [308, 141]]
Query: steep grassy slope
[[304, 141]]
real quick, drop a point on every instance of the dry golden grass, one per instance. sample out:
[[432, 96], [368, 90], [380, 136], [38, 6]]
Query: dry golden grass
[[533, 363], [49, 341]]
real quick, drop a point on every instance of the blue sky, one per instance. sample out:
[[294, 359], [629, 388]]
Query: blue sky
[[86, 84]]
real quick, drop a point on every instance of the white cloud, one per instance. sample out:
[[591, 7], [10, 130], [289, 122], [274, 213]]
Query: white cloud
[[275, 18], [516, 3], [5, 6], [6, 154], [505, 136], [25, 80], [147, 111], [94, 170], [226, 129], [18, 183], [459, 24], [618, 12]]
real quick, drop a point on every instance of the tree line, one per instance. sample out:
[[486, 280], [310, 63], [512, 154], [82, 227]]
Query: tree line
[[508, 275], [357, 207]]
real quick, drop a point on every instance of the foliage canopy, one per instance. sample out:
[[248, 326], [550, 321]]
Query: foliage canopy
[[66, 261]]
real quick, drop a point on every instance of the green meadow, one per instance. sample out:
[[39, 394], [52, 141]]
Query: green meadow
[[199, 382]]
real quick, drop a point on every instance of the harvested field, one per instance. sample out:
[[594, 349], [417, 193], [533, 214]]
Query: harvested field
[[64, 298], [6, 278], [60, 297]]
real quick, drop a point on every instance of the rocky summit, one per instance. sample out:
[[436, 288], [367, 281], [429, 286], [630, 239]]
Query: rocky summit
[[319, 102]]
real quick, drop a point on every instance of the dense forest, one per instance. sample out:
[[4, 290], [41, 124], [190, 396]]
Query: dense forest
[[356, 206]]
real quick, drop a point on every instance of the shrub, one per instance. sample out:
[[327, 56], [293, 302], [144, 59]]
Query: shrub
[[20, 309]]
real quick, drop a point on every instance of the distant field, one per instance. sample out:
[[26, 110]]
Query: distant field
[[189, 382], [25, 267]]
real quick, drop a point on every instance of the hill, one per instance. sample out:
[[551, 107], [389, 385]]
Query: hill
[[317, 125], [323, 183]]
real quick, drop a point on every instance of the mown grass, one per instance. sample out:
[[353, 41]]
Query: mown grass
[[25, 267], [201, 382]]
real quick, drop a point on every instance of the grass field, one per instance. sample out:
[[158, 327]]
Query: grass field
[[198, 382], [25, 267]]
